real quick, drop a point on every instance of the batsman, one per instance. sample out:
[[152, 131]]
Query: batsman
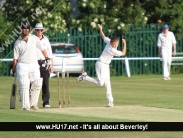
[[26, 67]]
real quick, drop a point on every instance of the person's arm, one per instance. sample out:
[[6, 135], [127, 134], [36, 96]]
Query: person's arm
[[51, 67], [124, 47], [15, 56], [13, 67], [101, 32], [174, 47], [174, 44], [44, 53], [159, 51], [159, 46], [14, 64], [48, 61], [49, 52], [40, 47]]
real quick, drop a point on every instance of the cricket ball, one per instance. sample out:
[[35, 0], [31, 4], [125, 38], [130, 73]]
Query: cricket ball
[[159, 21]]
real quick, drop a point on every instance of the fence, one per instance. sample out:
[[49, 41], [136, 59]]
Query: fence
[[141, 42], [126, 60]]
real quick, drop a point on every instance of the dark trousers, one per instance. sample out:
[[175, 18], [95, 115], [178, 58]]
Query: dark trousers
[[45, 86]]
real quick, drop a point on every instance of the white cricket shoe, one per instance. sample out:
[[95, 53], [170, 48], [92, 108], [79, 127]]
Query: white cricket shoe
[[47, 106], [34, 107], [110, 104], [26, 108], [80, 78], [166, 78]]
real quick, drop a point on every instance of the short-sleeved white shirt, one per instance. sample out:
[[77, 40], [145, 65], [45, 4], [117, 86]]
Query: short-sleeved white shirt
[[109, 52], [47, 46], [24, 51], [166, 42]]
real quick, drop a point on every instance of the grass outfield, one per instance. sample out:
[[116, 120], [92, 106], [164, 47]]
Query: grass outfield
[[143, 98]]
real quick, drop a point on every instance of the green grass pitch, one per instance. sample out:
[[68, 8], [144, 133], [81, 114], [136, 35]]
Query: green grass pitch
[[143, 98]]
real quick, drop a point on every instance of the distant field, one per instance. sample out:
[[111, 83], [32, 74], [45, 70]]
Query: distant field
[[143, 98]]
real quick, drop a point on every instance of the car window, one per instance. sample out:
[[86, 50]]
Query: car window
[[63, 49]]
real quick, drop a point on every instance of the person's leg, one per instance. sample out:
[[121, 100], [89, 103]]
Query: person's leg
[[92, 80], [45, 86], [99, 81], [34, 93], [100, 72], [35, 86], [169, 65], [107, 84], [23, 83], [103, 78], [165, 65]]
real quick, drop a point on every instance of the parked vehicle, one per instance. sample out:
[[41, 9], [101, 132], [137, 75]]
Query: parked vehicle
[[69, 52]]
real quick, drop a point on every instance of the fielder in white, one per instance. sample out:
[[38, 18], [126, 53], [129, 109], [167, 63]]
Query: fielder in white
[[102, 65], [166, 40], [26, 67]]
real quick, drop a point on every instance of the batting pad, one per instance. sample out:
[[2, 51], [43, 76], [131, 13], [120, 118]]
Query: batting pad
[[35, 91], [24, 84]]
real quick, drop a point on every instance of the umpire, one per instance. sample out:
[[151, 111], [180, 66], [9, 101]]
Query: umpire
[[45, 74]]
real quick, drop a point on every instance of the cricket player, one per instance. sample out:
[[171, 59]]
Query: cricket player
[[26, 67], [102, 65], [166, 40]]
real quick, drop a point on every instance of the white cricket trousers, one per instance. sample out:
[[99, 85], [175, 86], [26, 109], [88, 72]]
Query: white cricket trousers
[[103, 78], [166, 63], [26, 73]]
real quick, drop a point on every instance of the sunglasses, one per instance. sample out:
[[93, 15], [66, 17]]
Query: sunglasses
[[39, 30]]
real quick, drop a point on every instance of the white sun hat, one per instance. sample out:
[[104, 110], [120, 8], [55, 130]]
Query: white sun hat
[[39, 26]]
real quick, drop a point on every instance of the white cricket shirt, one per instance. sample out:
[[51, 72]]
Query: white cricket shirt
[[166, 42], [47, 46], [109, 52], [25, 51]]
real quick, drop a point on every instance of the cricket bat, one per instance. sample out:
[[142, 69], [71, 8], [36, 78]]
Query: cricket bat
[[13, 94]]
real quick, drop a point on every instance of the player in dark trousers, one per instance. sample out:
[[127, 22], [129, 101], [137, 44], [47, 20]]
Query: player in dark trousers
[[45, 74]]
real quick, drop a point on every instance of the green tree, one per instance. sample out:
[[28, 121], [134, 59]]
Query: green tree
[[113, 14], [3, 50], [3, 27], [3, 34], [52, 13], [169, 11]]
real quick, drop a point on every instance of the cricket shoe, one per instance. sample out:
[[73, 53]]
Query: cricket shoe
[[83, 75], [166, 78], [34, 107], [26, 108], [110, 104], [47, 106]]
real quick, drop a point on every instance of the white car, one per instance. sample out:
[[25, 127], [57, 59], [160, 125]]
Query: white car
[[72, 57]]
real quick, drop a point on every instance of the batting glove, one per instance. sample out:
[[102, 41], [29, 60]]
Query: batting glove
[[48, 63], [12, 72]]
